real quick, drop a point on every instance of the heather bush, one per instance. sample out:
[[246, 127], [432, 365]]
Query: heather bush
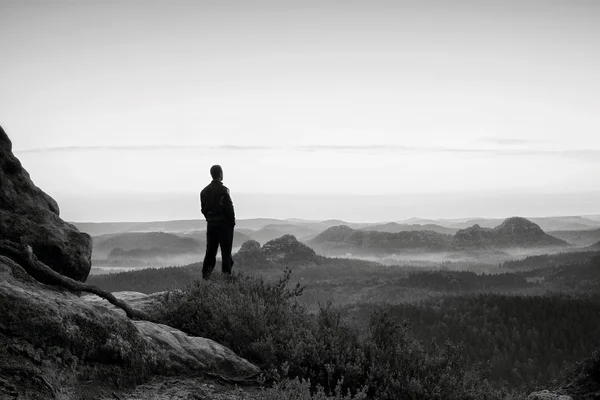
[[321, 355]]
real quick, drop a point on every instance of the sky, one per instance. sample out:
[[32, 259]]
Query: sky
[[360, 110]]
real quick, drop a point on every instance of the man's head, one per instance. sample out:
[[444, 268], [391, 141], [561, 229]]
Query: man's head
[[216, 172]]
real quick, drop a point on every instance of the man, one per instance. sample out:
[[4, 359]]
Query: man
[[217, 208]]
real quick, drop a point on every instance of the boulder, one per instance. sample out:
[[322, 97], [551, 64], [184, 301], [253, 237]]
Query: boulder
[[30, 216]]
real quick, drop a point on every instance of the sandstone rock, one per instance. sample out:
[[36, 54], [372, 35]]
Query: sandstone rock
[[176, 350], [30, 216], [287, 249], [250, 253], [250, 247], [75, 339], [277, 251], [139, 301], [547, 395]]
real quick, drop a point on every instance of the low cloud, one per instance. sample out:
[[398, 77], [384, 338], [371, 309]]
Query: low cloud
[[509, 141], [69, 149], [584, 154]]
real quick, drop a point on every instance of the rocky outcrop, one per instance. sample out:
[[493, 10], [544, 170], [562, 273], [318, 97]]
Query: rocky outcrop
[[581, 382], [250, 253], [547, 395], [29, 216], [513, 232], [64, 337], [286, 249]]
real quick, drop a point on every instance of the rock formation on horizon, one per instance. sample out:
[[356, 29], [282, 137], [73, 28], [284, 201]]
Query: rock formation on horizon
[[282, 250], [343, 238], [513, 232]]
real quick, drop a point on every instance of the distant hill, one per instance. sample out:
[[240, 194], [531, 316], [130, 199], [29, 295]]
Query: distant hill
[[394, 227], [565, 223], [270, 232], [102, 228], [105, 244], [581, 238], [595, 246], [513, 232], [482, 222], [344, 238], [546, 223], [418, 221]]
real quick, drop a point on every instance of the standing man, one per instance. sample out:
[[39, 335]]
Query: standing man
[[217, 208]]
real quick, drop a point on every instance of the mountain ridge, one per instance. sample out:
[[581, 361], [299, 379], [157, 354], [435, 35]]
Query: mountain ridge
[[512, 232]]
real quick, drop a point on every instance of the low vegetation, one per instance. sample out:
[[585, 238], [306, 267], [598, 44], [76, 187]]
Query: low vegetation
[[264, 322]]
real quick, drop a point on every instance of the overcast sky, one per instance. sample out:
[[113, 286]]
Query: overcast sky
[[451, 108]]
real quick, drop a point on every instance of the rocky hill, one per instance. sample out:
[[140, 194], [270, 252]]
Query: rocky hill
[[138, 241], [394, 227], [55, 344], [513, 232], [343, 238], [283, 250], [582, 238]]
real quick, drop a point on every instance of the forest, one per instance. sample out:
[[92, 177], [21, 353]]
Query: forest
[[524, 326]]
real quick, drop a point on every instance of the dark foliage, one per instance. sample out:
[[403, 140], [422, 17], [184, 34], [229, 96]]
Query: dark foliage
[[525, 339], [264, 322]]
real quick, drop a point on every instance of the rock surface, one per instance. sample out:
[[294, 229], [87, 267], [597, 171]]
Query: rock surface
[[184, 389], [139, 301], [547, 395], [177, 348], [30, 216], [84, 333]]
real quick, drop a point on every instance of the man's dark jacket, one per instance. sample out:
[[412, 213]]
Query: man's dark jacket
[[216, 203]]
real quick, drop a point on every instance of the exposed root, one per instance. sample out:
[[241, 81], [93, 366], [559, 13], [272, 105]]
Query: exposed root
[[23, 255]]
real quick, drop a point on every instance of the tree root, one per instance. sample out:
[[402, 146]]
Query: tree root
[[23, 255]]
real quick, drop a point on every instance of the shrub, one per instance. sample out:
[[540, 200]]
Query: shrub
[[263, 322]]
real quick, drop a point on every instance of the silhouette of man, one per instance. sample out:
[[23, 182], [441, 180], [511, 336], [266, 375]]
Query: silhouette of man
[[217, 208]]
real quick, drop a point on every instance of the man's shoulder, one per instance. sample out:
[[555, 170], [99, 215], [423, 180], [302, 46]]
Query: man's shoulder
[[206, 189]]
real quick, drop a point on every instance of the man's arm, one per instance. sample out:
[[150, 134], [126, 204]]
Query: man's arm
[[202, 204], [227, 204]]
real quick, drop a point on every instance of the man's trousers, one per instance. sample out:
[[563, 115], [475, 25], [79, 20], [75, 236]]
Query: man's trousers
[[218, 233]]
